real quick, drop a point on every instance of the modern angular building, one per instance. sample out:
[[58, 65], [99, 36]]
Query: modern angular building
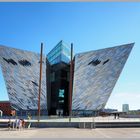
[[95, 74]]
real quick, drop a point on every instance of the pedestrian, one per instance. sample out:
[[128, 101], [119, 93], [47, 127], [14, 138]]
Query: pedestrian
[[9, 124], [19, 124], [16, 123], [29, 120], [115, 115], [118, 115], [23, 123]]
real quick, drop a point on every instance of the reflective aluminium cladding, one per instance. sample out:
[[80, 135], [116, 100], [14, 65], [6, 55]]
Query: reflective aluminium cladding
[[95, 75], [60, 53], [21, 73]]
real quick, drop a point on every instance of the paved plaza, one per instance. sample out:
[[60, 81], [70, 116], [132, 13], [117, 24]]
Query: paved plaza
[[74, 132], [71, 133]]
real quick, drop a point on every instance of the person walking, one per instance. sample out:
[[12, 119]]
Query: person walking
[[115, 115], [16, 123], [9, 124], [23, 123], [29, 120], [19, 124], [118, 115]]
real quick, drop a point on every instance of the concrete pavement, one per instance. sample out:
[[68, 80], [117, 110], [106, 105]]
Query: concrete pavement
[[71, 133]]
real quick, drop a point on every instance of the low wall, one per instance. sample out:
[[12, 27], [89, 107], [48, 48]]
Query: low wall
[[87, 124], [79, 124], [130, 116]]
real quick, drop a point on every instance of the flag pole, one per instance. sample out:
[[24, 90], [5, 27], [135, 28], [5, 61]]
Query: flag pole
[[40, 78], [70, 83]]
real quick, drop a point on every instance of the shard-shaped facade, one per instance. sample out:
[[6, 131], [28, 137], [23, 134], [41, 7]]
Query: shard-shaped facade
[[21, 74], [95, 75]]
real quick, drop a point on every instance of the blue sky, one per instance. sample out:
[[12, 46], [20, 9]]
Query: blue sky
[[90, 26]]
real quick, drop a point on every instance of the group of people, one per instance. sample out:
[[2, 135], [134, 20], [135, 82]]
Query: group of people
[[116, 115], [18, 124]]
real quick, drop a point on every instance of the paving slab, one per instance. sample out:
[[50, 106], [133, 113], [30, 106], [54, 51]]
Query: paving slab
[[71, 133]]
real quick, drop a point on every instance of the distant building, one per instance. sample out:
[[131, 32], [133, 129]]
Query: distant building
[[125, 107], [109, 110], [5, 107]]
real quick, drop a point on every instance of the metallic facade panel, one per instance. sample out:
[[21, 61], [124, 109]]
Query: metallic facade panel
[[21, 73], [95, 75]]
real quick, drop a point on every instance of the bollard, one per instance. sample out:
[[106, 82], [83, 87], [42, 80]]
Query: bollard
[[84, 125]]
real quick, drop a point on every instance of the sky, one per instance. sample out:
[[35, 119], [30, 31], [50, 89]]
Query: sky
[[88, 25]]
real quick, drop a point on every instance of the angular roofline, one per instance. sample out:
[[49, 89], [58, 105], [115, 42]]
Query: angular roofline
[[60, 42], [132, 44], [9, 47]]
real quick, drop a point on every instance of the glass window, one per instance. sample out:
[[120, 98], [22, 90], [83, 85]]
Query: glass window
[[61, 92], [95, 62], [61, 95], [105, 61], [52, 77]]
